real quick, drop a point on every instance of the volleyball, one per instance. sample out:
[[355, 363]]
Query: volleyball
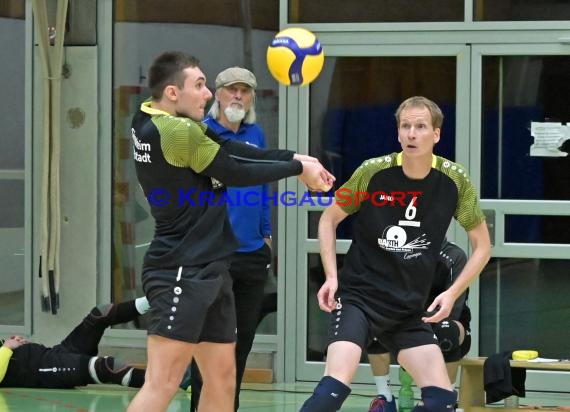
[[295, 57]]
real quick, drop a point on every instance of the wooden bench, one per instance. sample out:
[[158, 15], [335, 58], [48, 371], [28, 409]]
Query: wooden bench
[[472, 391]]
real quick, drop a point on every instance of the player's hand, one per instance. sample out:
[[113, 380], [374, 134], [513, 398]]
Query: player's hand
[[267, 241], [327, 176], [15, 342], [326, 293], [316, 177], [441, 308]]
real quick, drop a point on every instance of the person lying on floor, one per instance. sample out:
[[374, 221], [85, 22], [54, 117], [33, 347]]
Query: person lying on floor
[[73, 362]]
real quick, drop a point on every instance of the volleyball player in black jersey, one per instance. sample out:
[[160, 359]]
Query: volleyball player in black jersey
[[403, 204], [183, 168]]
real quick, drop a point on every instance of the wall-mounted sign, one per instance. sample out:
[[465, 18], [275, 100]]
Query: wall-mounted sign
[[548, 137]]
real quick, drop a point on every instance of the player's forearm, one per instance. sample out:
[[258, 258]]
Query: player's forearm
[[239, 150], [233, 173], [327, 242], [328, 258]]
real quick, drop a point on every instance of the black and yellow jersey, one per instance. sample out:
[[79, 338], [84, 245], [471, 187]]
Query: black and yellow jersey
[[400, 224], [183, 169]]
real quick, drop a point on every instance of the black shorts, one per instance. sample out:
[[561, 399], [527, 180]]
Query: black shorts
[[349, 323], [376, 347], [191, 304]]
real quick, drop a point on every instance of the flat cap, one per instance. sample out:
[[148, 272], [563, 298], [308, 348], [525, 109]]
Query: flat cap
[[234, 75]]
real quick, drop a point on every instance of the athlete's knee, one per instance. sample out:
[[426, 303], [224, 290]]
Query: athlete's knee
[[163, 380], [435, 399], [100, 313], [448, 333], [225, 382], [109, 314], [328, 396], [219, 375]]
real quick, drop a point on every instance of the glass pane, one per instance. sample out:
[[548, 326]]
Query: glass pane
[[12, 290], [12, 81], [12, 155], [517, 91], [524, 304], [313, 226], [227, 13], [521, 10], [537, 229], [133, 227], [11, 203], [221, 34], [15, 9], [351, 121], [361, 11]]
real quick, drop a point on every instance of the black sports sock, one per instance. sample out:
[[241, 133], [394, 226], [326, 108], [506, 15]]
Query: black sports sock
[[137, 378]]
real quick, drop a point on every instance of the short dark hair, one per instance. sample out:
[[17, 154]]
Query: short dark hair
[[168, 69]]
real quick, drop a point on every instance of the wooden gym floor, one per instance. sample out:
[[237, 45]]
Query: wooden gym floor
[[110, 398], [254, 398]]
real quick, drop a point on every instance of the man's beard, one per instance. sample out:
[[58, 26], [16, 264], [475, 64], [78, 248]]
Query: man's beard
[[234, 114]]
